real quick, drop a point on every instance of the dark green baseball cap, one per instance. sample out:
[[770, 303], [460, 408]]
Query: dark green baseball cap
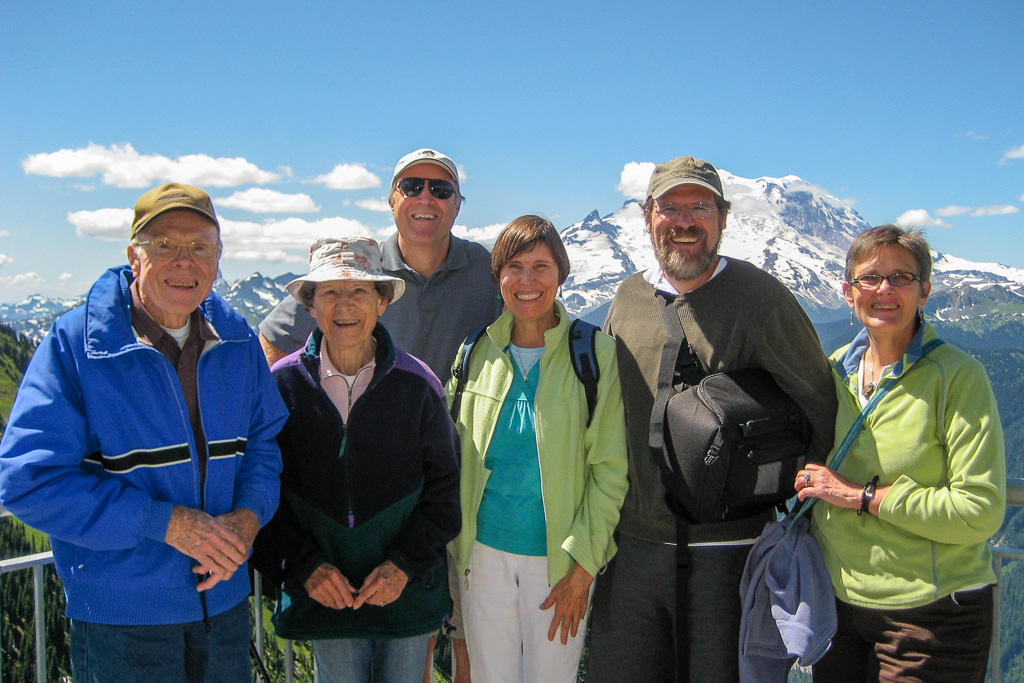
[[684, 171]]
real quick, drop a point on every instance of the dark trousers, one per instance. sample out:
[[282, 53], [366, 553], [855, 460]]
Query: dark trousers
[[947, 640], [632, 628]]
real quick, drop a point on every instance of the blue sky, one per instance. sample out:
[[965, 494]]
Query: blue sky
[[302, 109]]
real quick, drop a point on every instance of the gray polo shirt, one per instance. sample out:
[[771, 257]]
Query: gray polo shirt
[[431, 319]]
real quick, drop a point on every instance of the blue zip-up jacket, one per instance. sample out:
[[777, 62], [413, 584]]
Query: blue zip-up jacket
[[99, 449]]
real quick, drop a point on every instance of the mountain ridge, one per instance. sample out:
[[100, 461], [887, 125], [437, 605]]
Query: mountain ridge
[[787, 226]]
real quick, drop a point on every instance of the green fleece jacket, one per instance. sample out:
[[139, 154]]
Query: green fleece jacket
[[935, 438], [583, 469]]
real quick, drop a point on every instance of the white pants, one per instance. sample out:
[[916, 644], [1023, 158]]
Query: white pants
[[506, 631]]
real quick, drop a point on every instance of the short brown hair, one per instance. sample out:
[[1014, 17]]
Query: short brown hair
[[521, 235], [869, 242]]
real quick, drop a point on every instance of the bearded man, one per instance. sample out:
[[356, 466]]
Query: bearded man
[[735, 316]]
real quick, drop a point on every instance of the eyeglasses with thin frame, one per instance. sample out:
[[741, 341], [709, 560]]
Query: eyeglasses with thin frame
[[873, 281], [699, 211], [411, 187], [167, 249]]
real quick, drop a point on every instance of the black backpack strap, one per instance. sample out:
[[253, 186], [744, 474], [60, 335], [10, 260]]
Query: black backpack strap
[[679, 367], [583, 351], [462, 369]]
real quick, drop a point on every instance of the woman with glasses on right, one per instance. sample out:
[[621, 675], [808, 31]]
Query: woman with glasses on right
[[914, 487]]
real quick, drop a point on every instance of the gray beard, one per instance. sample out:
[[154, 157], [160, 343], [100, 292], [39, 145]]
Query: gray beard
[[684, 267]]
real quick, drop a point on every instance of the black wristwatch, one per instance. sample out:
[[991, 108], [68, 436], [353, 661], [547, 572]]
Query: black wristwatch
[[868, 495]]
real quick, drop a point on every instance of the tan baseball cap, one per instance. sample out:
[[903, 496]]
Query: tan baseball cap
[[171, 196], [684, 171], [426, 156]]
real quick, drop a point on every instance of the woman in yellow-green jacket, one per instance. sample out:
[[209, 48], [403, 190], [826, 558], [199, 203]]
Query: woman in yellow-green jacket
[[906, 515], [541, 490]]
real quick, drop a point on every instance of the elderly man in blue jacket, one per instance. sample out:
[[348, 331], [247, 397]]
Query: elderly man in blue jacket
[[142, 440]]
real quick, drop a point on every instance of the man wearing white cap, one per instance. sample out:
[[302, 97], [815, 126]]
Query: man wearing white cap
[[734, 316], [152, 498], [449, 288]]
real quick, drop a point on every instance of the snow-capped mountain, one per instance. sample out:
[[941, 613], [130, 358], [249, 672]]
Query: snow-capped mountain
[[254, 296], [32, 317], [787, 226]]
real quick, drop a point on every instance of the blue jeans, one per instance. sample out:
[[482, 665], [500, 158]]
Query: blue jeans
[[365, 660], [166, 653]]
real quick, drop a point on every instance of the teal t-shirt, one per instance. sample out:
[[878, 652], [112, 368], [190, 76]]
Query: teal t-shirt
[[511, 515]]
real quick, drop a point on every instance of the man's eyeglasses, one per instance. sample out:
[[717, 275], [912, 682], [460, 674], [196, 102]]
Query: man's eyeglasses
[[167, 249], [875, 281], [411, 187], [699, 211]]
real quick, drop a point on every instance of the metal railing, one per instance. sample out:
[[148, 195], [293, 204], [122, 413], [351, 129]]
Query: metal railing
[[1014, 498], [36, 562]]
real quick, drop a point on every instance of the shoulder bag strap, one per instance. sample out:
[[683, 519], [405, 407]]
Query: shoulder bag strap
[[858, 425]]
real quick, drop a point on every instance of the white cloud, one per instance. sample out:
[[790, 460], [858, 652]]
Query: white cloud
[[4, 233], [287, 240], [374, 205], [123, 166], [31, 278], [995, 210], [486, 234], [104, 224], [1015, 153], [5, 259], [262, 200], [952, 210], [65, 277], [348, 177], [971, 135], [916, 218], [634, 179]]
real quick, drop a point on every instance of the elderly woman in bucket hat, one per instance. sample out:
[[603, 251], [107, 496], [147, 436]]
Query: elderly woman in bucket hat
[[369, 491]]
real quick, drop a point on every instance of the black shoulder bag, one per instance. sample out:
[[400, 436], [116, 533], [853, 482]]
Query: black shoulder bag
[[728, 446]]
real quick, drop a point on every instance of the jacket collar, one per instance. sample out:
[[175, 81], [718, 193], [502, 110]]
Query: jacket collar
[[108, 320], [849, 361], [385, 357], [500, 331]]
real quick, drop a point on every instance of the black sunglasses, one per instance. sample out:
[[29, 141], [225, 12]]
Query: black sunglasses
[[411, 187]]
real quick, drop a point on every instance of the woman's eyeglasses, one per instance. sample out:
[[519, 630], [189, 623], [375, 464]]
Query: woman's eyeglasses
[[411, 187], [875, 281]]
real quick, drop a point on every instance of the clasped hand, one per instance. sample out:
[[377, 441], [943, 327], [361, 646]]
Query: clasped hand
[[220, 545], [331, 588]]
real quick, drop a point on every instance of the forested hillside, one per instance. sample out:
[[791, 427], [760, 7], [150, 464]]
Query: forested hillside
[[14, 356], [16, 591]]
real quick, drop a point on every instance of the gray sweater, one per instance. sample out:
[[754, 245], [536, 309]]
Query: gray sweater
[[742, 318]]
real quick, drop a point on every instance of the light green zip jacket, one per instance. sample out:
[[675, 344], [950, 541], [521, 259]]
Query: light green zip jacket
[[936, 439], [583, 469]]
